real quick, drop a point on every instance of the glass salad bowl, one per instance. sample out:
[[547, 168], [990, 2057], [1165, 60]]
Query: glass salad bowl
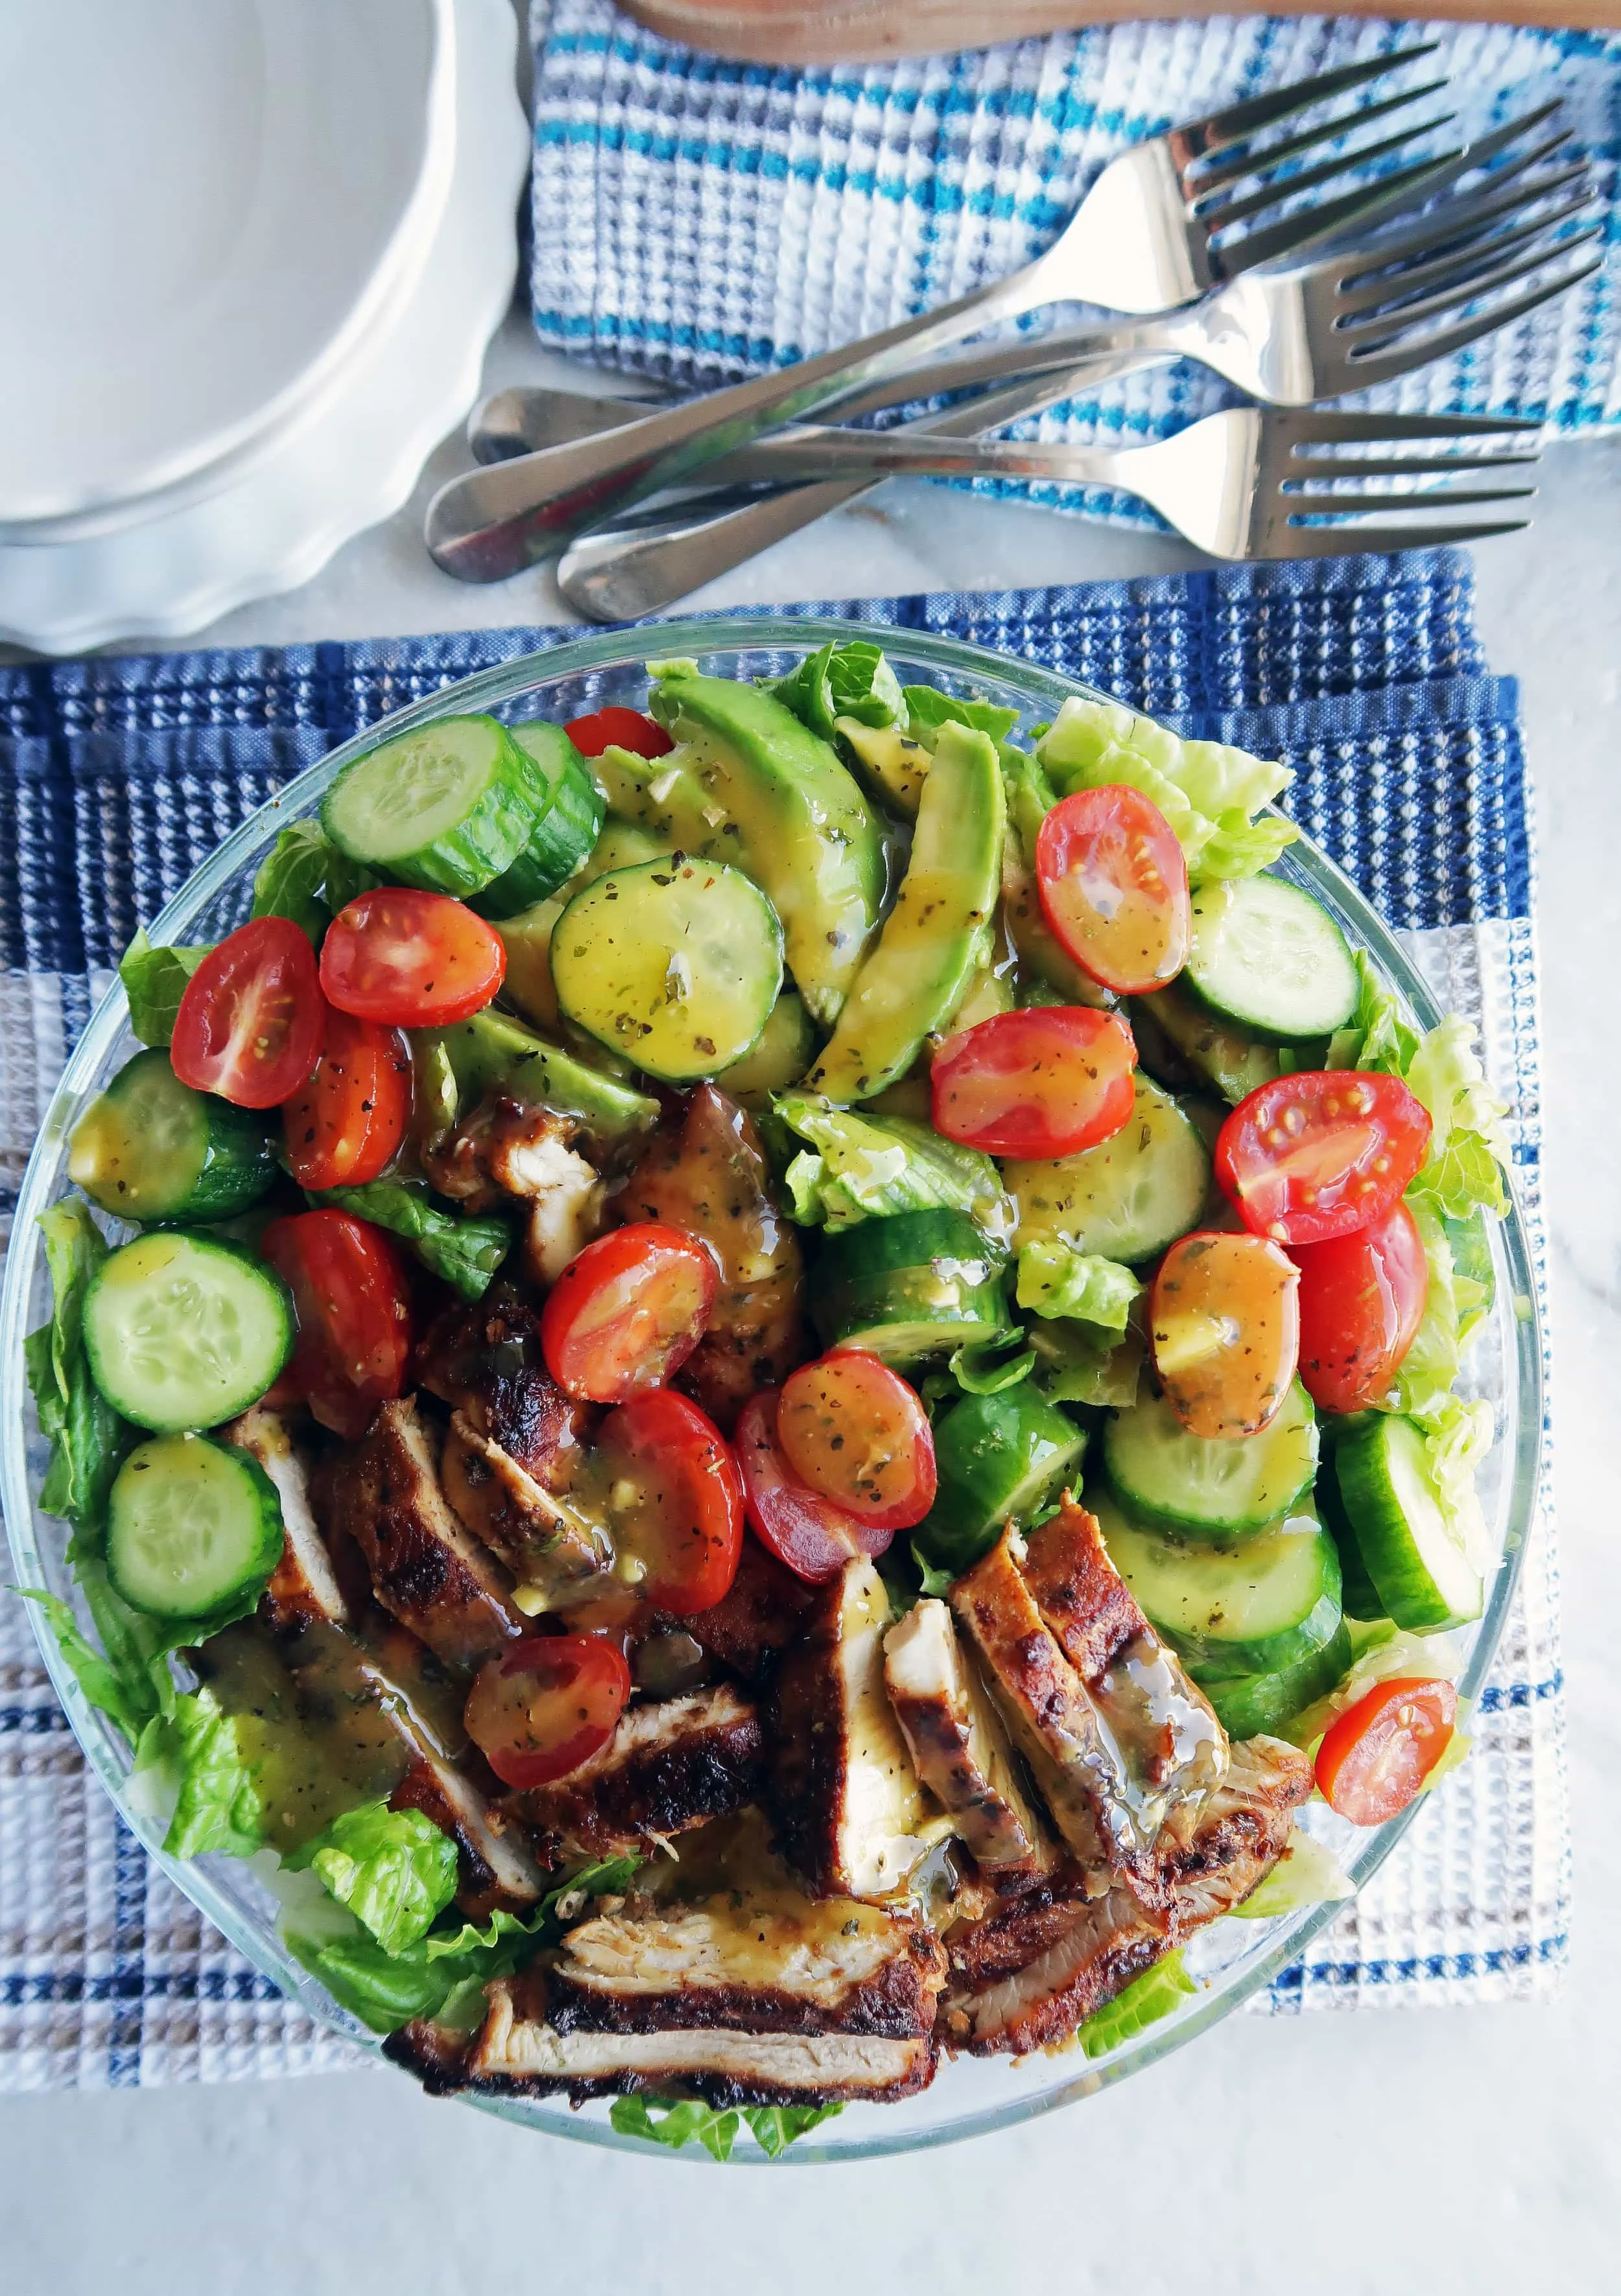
[[1229, 1960]]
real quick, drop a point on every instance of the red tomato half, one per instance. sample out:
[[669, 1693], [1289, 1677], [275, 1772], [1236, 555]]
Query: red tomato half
[[252, 1020], [1362, 1299], [345, 1123], [1375, 1757], [1319, 1154], [618, 729], [1114, 888], [628, 1311], [352, 1293], [410, 960], [1046, 1082], [813, 1535], [855, 1431], [677, 1499], [546, 1705]]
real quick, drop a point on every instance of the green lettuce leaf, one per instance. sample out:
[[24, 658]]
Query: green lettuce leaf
[[395, 1870], [666, 2120], [1208, 791], [1423, 1381], [88, 1436], [871, 1168], [853, 680], [1382, 1650], [1031, 796], [463, 1252], [220, 1806], [776, 2127], [1055, 1279], [154, 981], [1306, 1874], [934, 1582], [1140, 2003], [125, 1695], [928, 710], [988, 1366], [290, 877], [1078, 1363], [1469, 1146]]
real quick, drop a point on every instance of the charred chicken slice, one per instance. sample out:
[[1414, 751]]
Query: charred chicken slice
[[668, 1768], [761, 1612], [959, 1747], [1027, 1976], [506, 1148], [304, 1585]]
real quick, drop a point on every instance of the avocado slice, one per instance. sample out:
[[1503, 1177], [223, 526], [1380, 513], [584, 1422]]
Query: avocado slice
[[492, 1051], [895, 762], [935, 939], [748, 783]]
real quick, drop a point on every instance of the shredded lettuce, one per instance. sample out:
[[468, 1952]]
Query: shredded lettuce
[[853, 680], [1208, 791], [1469, 1146], [1055, 1279], [395, 1870], [861, 1166], [1140, 2003], [154, 981], [1306, 1874], [463, 1252], [668, 2120]]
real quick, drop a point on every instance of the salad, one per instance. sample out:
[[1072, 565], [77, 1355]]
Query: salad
[[756, 1388]]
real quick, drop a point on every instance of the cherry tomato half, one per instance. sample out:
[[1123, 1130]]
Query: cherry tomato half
[[1362, 1299], [253, 1019], [546, 1705], [1048, 1081], [618, 729], [1375, 1757], [1225, 1328], [1113, 885], [410, 960], [345, 1124], [675, 1499], [855, 1431], [813, 1535], [352, 1295], [628, 1311], [1321, 1153]]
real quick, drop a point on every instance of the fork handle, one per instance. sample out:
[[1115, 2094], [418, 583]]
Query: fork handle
[[617, 576]]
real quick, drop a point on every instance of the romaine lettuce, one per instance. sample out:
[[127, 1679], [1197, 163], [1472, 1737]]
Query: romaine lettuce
[[928, 710], [1137, 2005], [154, 981], [88, 1436], [1055, 1279], [853, 680], [1207, 791], [862, 1167], [676, 2122], [1077, 1363], [395, 1870], [1469, 1147], [462, 1251], [1306, 1874], [221, 1804]]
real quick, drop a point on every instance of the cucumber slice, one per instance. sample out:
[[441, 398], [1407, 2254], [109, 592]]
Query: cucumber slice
[[493, 1052], [1266, 957], [150, 1148], [786, 1049], [675, 964], [916, 1284], [1255, 1608], [1359, 1597], [1129, 1197], [182, 1332], [1407, 1543], [561, 836], [1254, 1705], [193, 1526], [448, 808], [1236, 1063], [1215, 1487], [999, 1457]]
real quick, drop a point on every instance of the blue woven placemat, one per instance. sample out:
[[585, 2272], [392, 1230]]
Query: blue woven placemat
[[119, 775]]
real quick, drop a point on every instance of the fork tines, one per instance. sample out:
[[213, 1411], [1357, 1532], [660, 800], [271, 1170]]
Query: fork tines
[[1325, 523]]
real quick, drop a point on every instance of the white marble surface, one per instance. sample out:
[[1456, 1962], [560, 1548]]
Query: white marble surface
[[1350, 2156]]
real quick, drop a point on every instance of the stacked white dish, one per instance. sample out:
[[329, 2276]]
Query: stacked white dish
[[253, 253]]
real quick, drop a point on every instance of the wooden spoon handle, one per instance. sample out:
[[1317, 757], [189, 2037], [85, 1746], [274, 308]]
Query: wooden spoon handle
[[873, 31]]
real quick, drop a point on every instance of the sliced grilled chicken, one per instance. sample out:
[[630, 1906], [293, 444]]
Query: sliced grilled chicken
[[708, 1175], [761, 1612], [844, 1792], [959, 1747], [426, 1568], [1243, 1829], [495, 1868], [668, 1768], [543, 1538], [1027, 1976], [505, 1148], [770, 1963], [487, 1362], [304, 1585]]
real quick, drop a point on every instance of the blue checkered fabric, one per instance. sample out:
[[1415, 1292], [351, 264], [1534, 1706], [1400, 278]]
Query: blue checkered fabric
[[119, 775], [699, 220]]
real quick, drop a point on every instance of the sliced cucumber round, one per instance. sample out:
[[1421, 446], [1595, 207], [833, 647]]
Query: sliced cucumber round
[[192, 1526], [448, 808], [1408, 1544], [1129, 1197], [562, 835], [786, 1049], [999, 1457], [916, 1284], [1255, 1608], [1358, 1595], [182, 1332], [1216, 1488], [1251, 1705], [150, 1148], [675, 964], [1268, 957]]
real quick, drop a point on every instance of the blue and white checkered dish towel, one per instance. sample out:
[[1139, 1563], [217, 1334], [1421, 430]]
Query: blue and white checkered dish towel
[[699, 219], [118, 776]]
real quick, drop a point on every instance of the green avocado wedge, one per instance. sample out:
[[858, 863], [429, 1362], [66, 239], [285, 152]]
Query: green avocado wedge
[[933, 940], [748, 783], [491, 1052]]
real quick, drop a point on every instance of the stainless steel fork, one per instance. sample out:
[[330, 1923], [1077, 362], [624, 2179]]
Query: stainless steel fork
[[1152, 233]]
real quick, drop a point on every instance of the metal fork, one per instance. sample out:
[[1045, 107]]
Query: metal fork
[[1149, 234]]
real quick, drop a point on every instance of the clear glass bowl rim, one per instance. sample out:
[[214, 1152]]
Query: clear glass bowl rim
[[1041, 690]]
